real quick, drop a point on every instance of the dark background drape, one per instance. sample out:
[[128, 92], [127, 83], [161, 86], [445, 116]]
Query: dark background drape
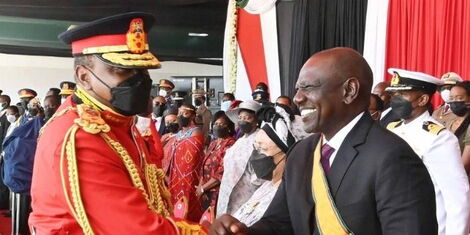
[[316, 25]]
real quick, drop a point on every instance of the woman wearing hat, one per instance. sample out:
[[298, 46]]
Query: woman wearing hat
[[213, 163], [238, 181]]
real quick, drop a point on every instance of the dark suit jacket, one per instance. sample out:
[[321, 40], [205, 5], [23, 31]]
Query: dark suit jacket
[[390, 117], [4, 124], [379, 185]]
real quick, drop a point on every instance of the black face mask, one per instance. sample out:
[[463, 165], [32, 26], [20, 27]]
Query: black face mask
[[48, 112], [245, 127], [401, 107], [172, 128], [262, 165], [33, 112], [183, 121], [130, 97], [220, 131], [158, 110], [198, 102], [24, 104], [459, 108]]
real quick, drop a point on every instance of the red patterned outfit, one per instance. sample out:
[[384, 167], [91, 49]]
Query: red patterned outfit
[[213, 168], [185, 152]]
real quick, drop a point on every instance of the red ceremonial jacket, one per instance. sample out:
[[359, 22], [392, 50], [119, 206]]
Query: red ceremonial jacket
[[110, 201]]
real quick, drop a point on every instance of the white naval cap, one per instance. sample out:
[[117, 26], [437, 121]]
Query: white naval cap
[[404, 80]]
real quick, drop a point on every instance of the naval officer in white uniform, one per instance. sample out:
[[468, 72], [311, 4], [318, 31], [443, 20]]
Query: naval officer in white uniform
[[436, 146]]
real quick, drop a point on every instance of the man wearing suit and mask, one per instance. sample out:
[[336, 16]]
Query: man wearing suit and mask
[[387, 115], [352, 176]]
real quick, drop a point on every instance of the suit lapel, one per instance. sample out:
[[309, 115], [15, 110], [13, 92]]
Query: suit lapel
[[347, 152]]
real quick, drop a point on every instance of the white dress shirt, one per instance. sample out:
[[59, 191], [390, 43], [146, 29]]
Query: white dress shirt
[[385, 112], [441, 155], [336, 141]]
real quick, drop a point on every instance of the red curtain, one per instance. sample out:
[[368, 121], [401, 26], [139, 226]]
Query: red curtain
[[430, 36]]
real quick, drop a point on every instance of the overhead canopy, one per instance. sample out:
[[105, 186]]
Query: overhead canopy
[[185, 30]]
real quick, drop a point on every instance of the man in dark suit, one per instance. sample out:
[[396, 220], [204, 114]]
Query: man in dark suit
[[375, 181], [4, 123]]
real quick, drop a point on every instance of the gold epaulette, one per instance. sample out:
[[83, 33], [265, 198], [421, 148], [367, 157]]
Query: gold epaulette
[[90, 120], [394, 125], [432, 127]]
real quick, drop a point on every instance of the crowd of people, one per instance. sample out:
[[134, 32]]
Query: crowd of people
[[101, 156]]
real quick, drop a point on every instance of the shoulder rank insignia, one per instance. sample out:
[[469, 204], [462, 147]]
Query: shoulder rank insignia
[[432, 127], [394, 125], [90, 120]]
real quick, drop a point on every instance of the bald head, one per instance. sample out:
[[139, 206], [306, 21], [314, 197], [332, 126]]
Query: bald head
[[333, 87], [342, 63]]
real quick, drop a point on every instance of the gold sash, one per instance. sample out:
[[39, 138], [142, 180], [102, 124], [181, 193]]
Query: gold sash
[[328, 219]]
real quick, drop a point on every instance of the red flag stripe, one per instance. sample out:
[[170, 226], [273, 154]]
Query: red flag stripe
[[250, 41]]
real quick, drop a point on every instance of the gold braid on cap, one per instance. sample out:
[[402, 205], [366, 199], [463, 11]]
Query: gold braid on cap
[[129, 59], [158, 197]]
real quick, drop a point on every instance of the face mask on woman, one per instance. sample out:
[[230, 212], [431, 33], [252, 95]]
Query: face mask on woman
[[263, 165], [183, 121], [245, 127], [220, 131], [459, 108]]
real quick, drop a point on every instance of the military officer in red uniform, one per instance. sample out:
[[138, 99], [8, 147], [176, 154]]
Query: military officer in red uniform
[[93, 173]]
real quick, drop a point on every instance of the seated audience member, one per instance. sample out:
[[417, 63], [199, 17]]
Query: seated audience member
[[185, 153], [177, 99], [239, 181], [19, 149], [386, 116], [25, 96], [375, 107], [147, 129], [443, 114], [291, 112], [261, 94], [13, 115], [158, 108], [267, 160], [170, 119], [203, 113], [165, 88], [213, 163], [4, 123], [66, 89], [284, 100], [459, 102], [51, 104], [227, 100], [53, 91]]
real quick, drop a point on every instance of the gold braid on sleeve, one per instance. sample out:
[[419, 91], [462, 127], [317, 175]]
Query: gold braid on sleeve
[[159, 198], [75, 203]]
